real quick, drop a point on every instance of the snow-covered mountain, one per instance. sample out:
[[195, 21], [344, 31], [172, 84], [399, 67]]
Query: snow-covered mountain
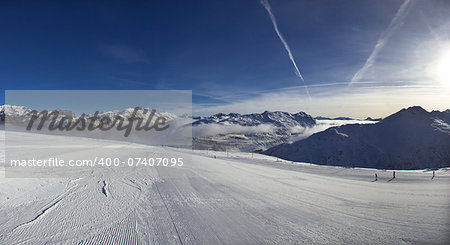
[[178, 134], [17, 114], [409, 139], [259, 131], [277, 118], [249, 132]]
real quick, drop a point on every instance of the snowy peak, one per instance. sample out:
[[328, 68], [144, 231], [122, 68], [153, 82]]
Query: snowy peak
[[414, 109], [276, 118], [411, 112], [13, 110], [411, 138], [22, 111], [418, 119], [21, 114], [444, 115]]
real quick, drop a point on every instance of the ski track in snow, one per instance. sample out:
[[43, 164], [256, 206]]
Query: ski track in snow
[[225, 198], [47, 209], [105, 188]]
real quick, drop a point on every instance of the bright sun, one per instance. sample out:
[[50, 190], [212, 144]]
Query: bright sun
[[444, 69]]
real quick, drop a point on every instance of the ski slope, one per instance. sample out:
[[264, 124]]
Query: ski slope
[[224, 198]]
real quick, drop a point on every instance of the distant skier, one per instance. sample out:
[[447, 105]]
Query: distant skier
[[433, 175], [376, 177], [393, 175]]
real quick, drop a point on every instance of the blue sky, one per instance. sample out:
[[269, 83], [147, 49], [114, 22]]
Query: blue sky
[[229, 55], [90, 101]]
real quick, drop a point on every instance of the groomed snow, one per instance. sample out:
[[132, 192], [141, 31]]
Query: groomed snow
[[231, 198]]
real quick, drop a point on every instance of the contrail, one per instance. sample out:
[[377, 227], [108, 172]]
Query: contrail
[[385, 35], [266, 5]]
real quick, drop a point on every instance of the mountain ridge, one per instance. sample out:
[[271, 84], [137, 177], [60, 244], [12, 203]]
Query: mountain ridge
[[411, 138], [278, 118]]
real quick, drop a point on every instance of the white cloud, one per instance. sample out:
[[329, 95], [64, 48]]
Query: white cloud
[[126, 53], [384, 38], [215, 129], [266, 5]]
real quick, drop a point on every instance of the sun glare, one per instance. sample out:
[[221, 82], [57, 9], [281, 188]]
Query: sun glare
[[444, 69]]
